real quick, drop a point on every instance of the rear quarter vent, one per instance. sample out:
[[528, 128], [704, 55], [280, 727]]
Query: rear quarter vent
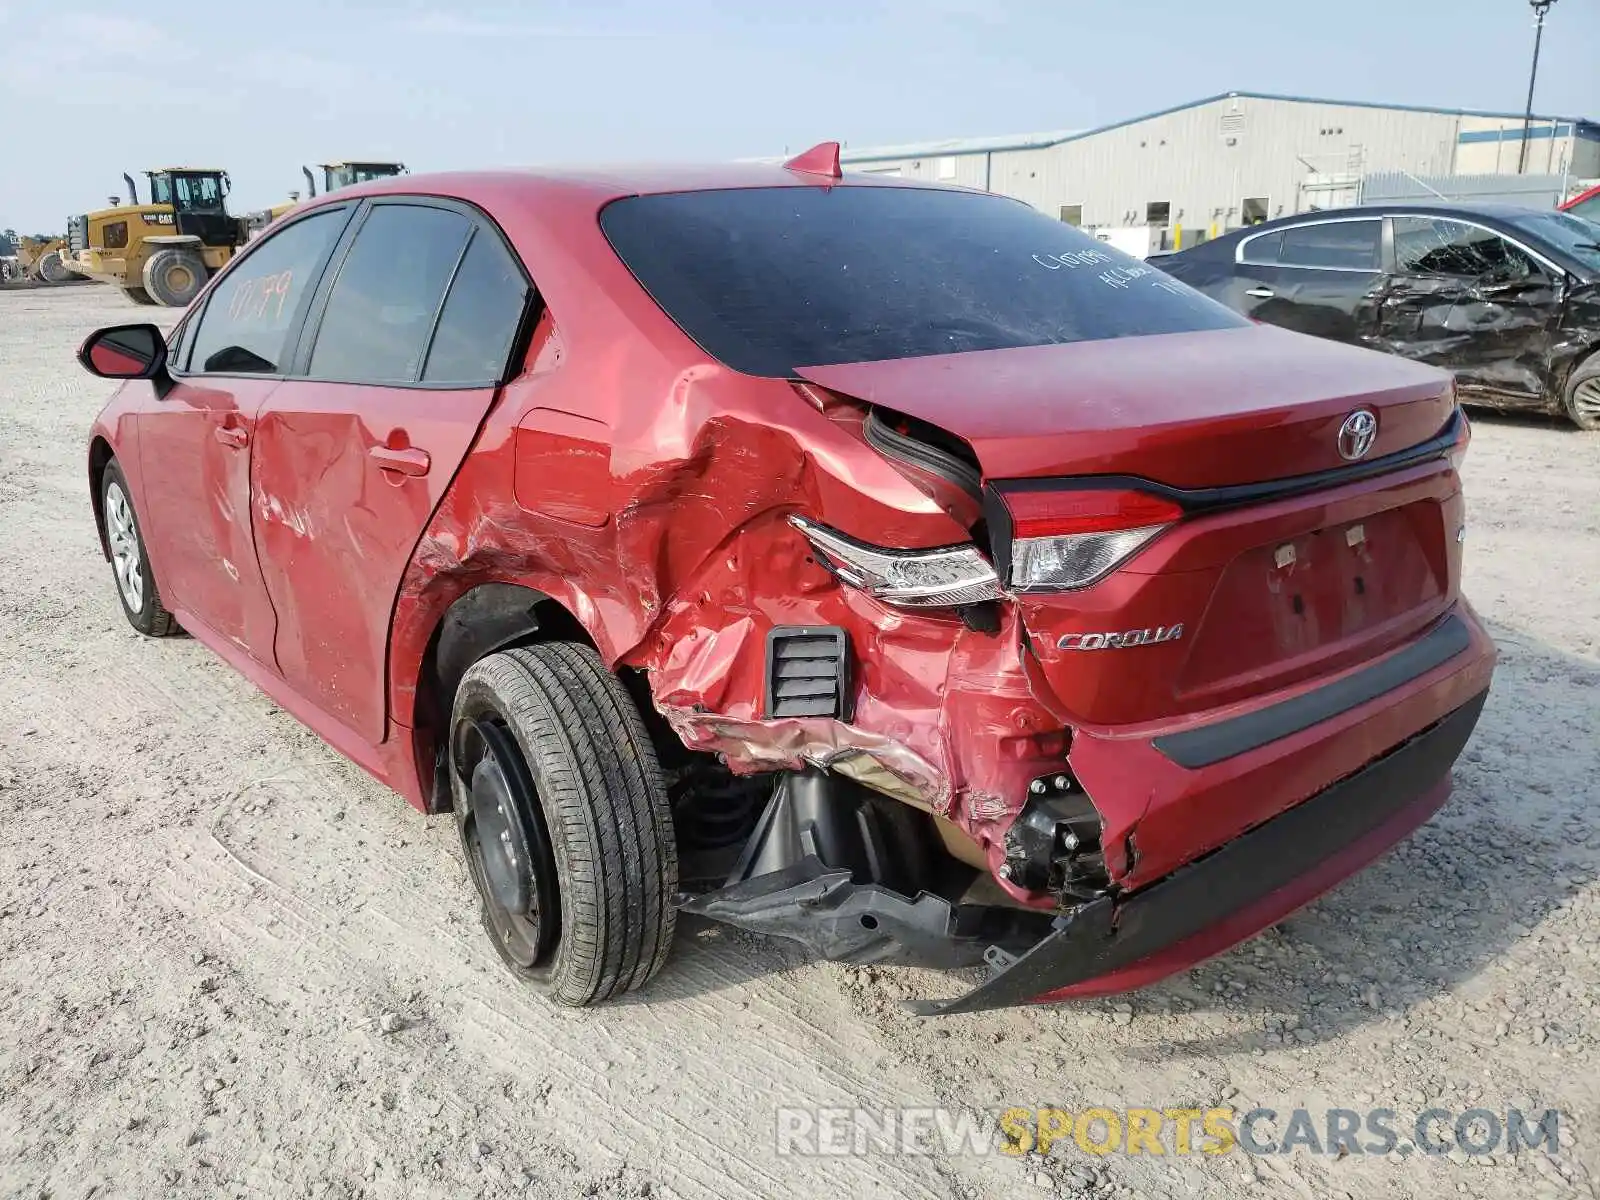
[[808, 672]]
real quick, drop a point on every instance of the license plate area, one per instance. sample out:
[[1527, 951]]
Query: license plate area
[[1283, 605]]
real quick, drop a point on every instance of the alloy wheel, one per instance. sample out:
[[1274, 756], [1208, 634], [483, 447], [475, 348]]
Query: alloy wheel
[[123, 536], [1586, 400]]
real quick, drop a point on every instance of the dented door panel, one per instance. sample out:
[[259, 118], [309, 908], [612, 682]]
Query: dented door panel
[[344, 479], [1496, 338], [195, 441]]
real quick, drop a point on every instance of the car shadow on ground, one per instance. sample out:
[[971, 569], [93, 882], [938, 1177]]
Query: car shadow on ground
[[1512, 846]]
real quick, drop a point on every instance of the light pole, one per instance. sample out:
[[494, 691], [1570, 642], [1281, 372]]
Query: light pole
[[1540, 7]]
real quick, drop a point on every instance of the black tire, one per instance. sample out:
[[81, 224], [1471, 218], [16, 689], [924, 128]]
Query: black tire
[[138, 295], [141, 604], [576, 765], [174, 276], [1583, 395]]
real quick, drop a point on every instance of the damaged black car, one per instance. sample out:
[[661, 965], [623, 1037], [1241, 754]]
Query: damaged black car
[[1506, 298]]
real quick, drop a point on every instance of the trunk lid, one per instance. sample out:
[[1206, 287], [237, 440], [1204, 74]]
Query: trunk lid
[[1246, 590], [1190, 410]]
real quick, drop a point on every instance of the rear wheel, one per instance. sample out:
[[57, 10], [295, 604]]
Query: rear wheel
[[1583, 395], [564, 821], [130, 564], [174, 276]]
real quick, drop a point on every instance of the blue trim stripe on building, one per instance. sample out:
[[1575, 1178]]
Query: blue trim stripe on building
[[1513, 134]]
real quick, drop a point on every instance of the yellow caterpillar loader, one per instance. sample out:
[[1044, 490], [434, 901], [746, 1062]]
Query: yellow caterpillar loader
[[163, 251], [40, 260], [334, 176]]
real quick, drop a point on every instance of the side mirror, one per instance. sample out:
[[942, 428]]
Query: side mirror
[[125, 352]]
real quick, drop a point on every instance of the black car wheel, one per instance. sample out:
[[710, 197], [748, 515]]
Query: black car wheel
[[564, 821]]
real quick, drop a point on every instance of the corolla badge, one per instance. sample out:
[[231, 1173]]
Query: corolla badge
[[1357, 434], [1121, 641]]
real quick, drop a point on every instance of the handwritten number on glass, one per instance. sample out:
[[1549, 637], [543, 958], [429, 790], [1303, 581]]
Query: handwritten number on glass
[[257, 297]]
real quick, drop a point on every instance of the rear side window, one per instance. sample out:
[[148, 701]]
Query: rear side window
[[1264, 250], [480, 316], [1353, 245], [770, 279], [246, 325], [381, 311]]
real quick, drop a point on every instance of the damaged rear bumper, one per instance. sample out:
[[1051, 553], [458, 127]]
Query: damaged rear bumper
[[1117, 943]]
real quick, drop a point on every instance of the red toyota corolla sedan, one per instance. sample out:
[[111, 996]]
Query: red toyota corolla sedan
[[882, 566]]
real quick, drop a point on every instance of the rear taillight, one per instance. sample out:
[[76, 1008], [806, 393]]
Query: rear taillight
[[943, 577], [1458, 451], [1062, 540]]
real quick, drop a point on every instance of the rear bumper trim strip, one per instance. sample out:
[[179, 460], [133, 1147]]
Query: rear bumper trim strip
[[1208, 744]]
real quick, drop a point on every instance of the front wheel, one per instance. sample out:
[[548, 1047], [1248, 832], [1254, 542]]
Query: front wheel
[[130, 563], [1583, 396], [564, 821]]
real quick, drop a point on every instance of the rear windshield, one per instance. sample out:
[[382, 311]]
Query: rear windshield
[[766, 280]]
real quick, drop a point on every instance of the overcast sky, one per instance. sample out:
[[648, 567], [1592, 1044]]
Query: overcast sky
[[89, 90]]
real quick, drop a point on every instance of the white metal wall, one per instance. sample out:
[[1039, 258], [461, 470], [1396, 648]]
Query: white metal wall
[[1186, 159]]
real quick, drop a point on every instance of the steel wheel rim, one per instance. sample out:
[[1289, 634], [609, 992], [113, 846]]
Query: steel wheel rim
[[124, 539], [507, 848], [179, 278], [1586, 399]]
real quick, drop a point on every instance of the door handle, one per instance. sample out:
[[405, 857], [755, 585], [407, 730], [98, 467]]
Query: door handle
[[1261, 293], [233, 436], [409, 461]]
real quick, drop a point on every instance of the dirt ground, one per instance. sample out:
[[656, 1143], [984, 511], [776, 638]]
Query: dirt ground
[[211, 925]]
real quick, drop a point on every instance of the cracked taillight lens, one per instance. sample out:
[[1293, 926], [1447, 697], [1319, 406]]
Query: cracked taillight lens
[[944, 577], [1071, 539]]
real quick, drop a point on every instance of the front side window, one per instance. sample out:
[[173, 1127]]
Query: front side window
[[248, 319], [381, 312], [1351, 245], [766, 280], [160, 189], [1439, 246]]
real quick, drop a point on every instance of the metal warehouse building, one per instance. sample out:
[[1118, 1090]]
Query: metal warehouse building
[[1187, 173]]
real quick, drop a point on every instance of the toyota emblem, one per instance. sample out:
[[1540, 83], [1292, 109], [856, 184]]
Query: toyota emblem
[[1357, 434]]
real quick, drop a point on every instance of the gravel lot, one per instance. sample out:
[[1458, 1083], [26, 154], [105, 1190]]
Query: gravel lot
[[230, 964]]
